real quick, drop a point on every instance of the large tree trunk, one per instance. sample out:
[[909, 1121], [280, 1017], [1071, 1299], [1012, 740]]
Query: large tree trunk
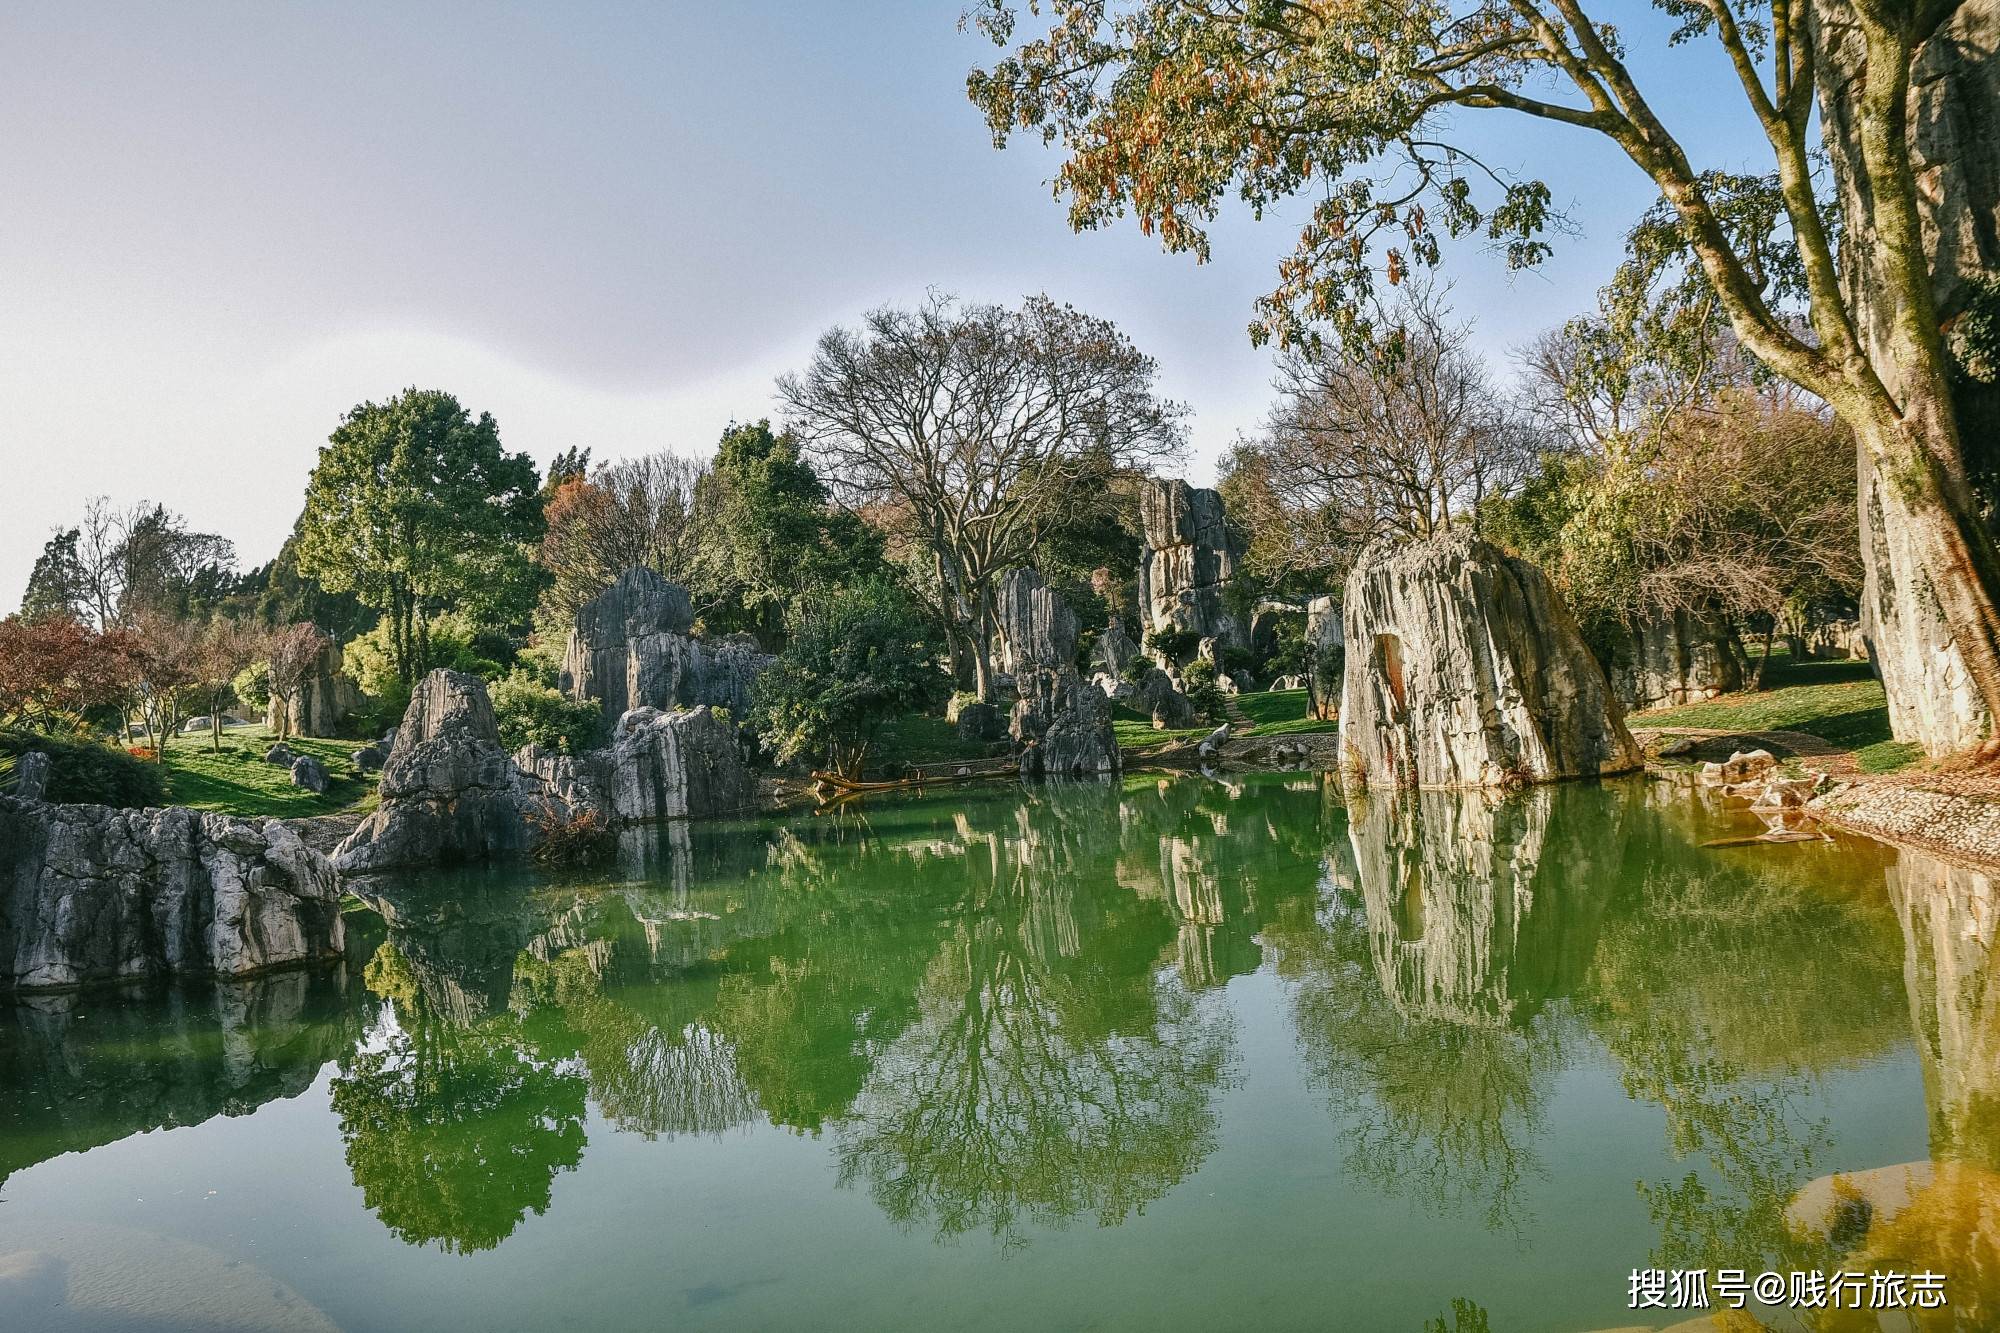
[[1927, 605]]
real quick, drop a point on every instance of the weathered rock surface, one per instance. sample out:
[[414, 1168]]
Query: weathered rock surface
[[1674, 658], [1326, 644], [1114, 650], [1062, 722], [280, 754], [91, 894], [630, 649], [1162, 701], [1466, 670], [309, 772], [31, 776], [1189, 560], [449, 792], [981, 722], [320, 704], [370, 758], [1954, 85], [678, 765]]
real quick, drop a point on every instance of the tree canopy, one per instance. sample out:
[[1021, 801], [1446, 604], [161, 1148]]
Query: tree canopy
[[415, 508]]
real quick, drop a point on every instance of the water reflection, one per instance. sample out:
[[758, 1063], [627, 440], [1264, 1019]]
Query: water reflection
[[1013, 1011]]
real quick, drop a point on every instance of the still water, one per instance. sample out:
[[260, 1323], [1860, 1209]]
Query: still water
[[1157, 1054]]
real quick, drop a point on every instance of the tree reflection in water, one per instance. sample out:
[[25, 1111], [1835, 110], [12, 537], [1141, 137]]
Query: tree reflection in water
[[454, 1131]]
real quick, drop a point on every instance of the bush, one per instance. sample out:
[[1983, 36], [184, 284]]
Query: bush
[[1176, 645], [368, 660], [1138, 668], [84, 772], [531, 713], [582, 839], [859, 658], [253, 685], [1198, 683]]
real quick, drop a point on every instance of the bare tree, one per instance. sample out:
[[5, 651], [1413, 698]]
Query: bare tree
[[1408, 438], [121, 565], [293, 652], [168, 669], [639, 512], [223, 648], [982, 429]]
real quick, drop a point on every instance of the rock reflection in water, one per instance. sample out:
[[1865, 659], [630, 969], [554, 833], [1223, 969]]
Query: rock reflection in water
[[93, 1067], [1420, 983]]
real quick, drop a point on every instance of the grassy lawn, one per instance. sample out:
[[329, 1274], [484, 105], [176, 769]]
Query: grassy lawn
[[1271, 712], [239, 782], [1840, 702]]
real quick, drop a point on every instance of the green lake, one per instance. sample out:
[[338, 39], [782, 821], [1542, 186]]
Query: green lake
[[1161, 1054]]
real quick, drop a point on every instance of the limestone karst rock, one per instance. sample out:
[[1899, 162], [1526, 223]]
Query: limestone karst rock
[[92, 894], [308, 772], [1465, 669], [449, 792], [1674, 657], [1954, 84], [1189, 559], [1062, 721], [320, 703], [630, 648], [1326, 644], [659, 765], [31, 776], [1114, 650]]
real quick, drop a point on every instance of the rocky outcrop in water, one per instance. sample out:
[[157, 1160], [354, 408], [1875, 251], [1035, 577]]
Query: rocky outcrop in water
[[320, 704], [92, 894], [1189, 560], [679, 765], [1062, 722], [1675, 657], [449, 792], [1465, 669], [630, 648]]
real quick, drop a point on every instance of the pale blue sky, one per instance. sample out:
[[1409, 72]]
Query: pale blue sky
[[610, 225]]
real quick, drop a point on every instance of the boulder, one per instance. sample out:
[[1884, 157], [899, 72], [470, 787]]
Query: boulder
[[93, 894], [309, 772], [31, 776], [1468, 671], [280, 754], [1211, 744], [1289, 683], [1739, 768], [981, 722], [1161, 700], [1834, 639], [449, 793], [629, 648], [1061, 721], [1326, 648], [370, 758], [1674, 657], [320, 704], [1188, 561], [660, 765], [1114, 650]]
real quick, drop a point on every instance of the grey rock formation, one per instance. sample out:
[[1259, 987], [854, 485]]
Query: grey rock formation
[[280, 754], [91, 894], [981, 722], [1467, 670], [1189, 559], [679, 765], [1675, 658], [370, 758], [1162, 701], [31, 776], [309, 772], [320, 704], [449, 793], [1326, 644], [1954, 86], [630, 649], [1061, 721], [1114, 650]]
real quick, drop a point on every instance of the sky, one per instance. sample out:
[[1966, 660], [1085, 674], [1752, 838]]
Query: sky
[[610, 225]]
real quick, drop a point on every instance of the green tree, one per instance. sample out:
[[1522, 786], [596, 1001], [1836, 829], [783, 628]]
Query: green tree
[[56, 585], [1167, 106], [863, 656], [778, 539], [415, 508]]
